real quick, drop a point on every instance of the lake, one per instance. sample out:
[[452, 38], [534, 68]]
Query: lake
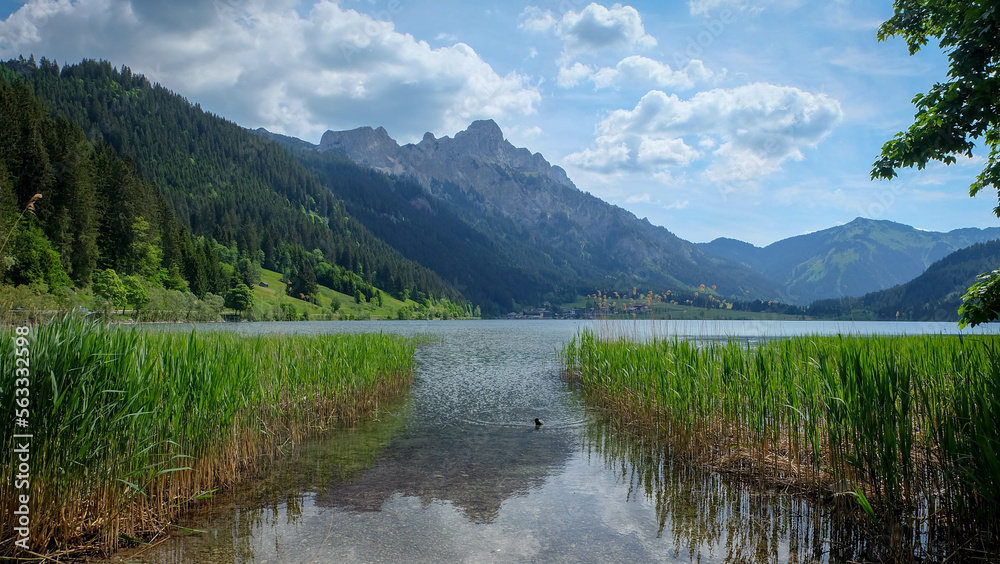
[[456, 470]]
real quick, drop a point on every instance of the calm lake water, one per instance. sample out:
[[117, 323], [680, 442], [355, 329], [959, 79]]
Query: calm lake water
[[456, 471]]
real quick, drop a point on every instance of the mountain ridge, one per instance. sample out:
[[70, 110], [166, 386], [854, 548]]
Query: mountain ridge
[[935, 295], [377, 149], [486, 179], [861, 256]]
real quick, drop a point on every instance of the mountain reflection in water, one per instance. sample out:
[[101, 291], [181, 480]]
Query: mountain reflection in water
[[457, 472]]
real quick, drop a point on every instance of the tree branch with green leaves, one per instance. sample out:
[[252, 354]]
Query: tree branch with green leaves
[[954, 115]]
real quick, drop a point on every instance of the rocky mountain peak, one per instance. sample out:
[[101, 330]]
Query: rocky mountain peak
[[443, 158], [363, 139], [374, 147], [483, 137]]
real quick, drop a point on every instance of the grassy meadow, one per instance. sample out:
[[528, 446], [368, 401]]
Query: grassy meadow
[[131, 426], [903, 428], [271, 303]]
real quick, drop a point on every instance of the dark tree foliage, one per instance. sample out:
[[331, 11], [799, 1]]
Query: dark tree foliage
[[302, 282], [981, 303], [239, 298], [220, 180], [92, 201], [953, 115]]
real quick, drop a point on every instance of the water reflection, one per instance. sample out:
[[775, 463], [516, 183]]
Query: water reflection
[[457, 472], [705, 515], [474, 469]]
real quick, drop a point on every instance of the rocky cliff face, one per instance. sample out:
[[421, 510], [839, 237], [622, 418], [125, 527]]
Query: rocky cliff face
[[483, 175], [482, 143]]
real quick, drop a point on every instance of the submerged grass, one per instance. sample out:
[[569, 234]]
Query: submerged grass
[[904, 425], [129, 426]]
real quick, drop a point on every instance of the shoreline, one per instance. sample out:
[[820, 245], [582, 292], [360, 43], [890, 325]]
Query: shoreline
[[136, 426], [872, 424]]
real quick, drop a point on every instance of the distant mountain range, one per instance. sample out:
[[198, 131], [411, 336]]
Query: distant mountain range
[[935, 295], [862, 256], [470, 216], [547, 236], [482, 192]]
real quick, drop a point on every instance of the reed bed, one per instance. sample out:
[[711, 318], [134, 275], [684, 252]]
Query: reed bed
[[906, 426], [130, 426]]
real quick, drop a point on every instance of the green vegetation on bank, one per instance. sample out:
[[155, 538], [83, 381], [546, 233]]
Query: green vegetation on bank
[[109, 181], [905, 425], [26, 304], [696, 304], [272, 304], [132, 426]]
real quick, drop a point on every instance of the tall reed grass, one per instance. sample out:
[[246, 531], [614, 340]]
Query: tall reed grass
[[906, 425], [131, 426]]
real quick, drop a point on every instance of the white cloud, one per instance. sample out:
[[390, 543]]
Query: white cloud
[[637, 198], [608, 158], [654, 150], [535, 19], [268, 64], [571, 76], [591, 30], [636, 70], [745, 133]]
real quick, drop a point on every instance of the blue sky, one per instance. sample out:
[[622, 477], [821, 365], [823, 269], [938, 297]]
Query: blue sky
[[756, 120]]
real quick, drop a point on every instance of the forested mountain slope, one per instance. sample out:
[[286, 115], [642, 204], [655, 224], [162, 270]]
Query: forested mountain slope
[[89, 209], [862, 256], [222, 181], [537, 219], [935, 295]]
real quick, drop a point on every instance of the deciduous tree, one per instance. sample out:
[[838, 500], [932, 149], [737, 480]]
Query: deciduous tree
[[240, 298], [110, 287], [957, 113]]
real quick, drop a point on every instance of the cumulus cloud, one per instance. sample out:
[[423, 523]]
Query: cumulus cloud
[[277, 64], [744, 133], [535, 19], [591, 30], [637, 70], [573, 75]]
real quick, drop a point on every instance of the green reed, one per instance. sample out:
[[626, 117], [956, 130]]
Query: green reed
[[907, 425], [130, 426]]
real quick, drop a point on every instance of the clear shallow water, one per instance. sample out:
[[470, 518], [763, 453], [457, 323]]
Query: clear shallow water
[[457, 472]]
